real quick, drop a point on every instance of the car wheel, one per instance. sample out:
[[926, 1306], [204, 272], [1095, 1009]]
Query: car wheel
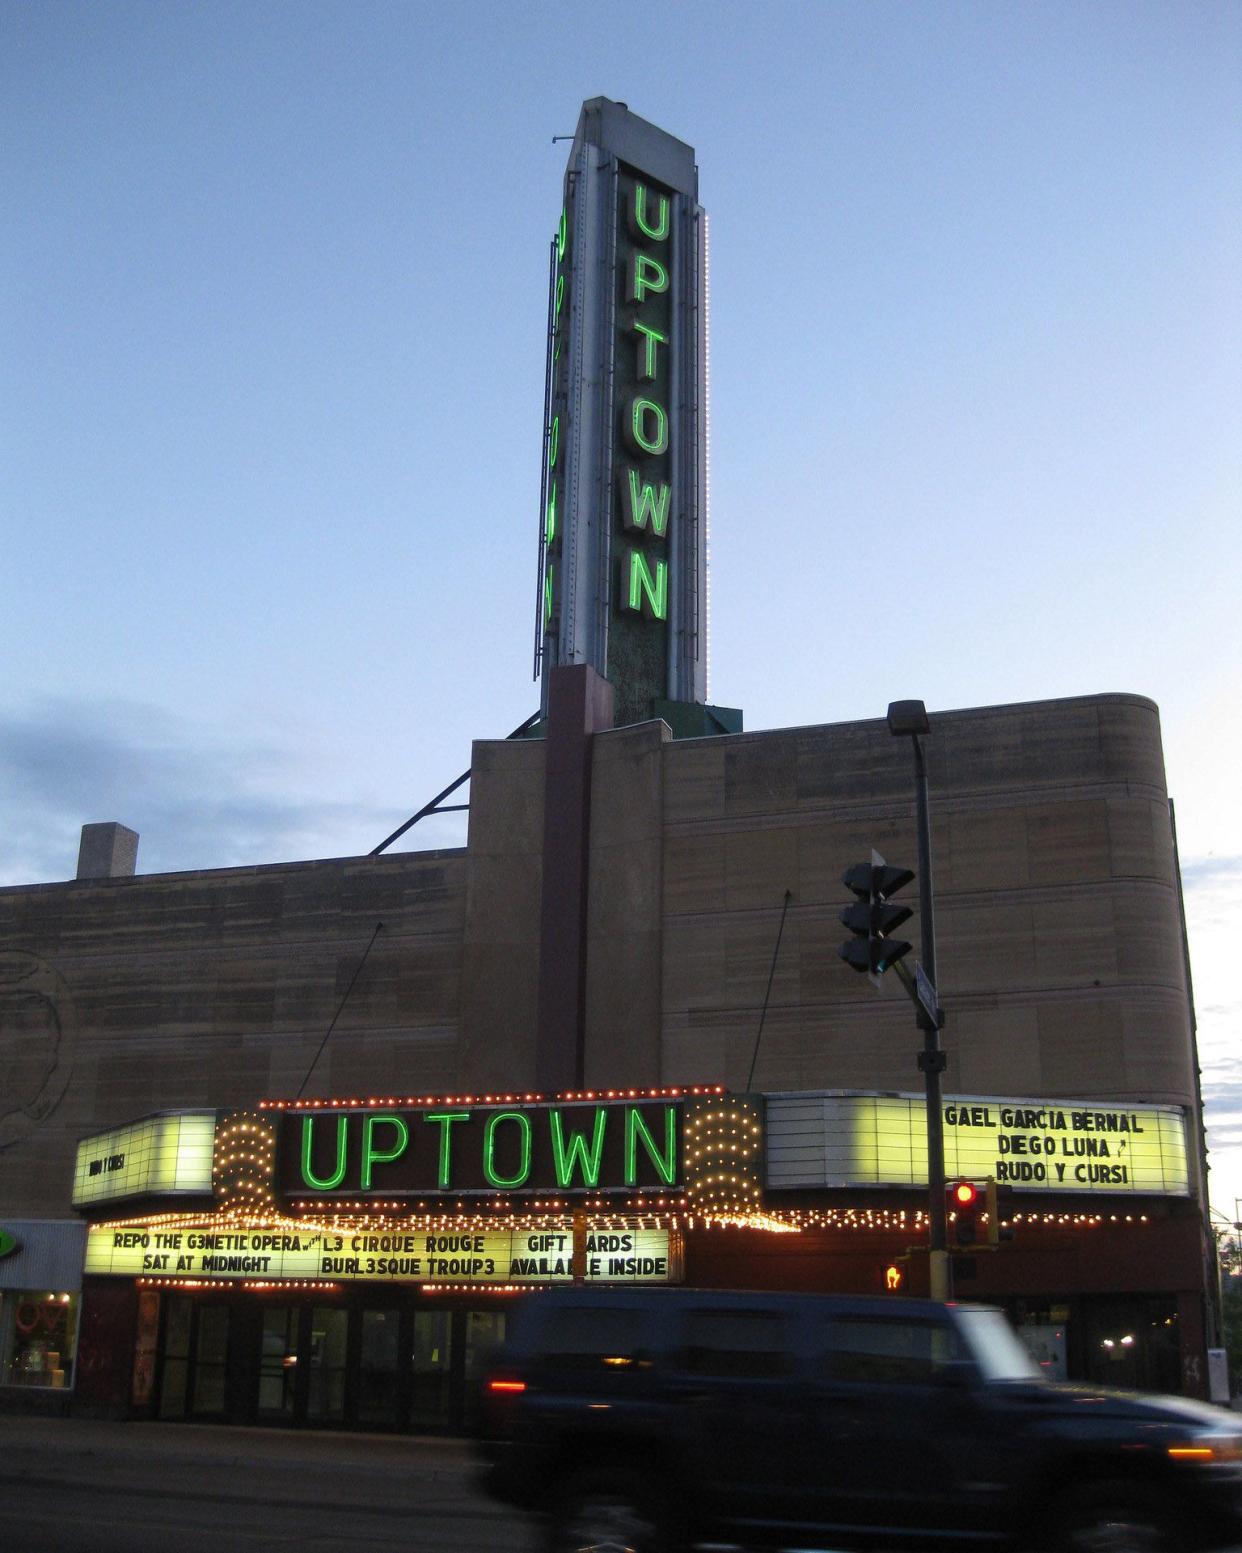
[[609, 1512], [1118, 1518]]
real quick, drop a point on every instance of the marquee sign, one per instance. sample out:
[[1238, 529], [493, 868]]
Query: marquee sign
[[500, 1256], [629, 1146], [165, 1155], [840, 1140], [623, 510]]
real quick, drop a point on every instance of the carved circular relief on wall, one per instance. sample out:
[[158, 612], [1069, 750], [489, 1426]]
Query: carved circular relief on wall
[[38, 1033]]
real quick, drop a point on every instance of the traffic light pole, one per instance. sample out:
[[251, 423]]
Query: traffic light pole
[[909, 718], [931, 1058]]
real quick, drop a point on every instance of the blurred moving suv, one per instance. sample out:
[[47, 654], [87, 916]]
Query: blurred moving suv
[[656, 1419]]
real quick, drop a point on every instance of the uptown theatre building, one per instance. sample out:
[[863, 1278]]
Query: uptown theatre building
[[198, 1240], [280, 1143]]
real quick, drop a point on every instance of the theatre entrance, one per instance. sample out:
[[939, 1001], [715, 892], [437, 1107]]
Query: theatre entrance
[[391, 1360]]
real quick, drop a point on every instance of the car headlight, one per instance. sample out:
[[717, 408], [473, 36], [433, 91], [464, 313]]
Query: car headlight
[[1209, 1446]]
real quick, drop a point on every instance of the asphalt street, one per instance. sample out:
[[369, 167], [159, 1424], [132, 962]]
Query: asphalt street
[[80, 1486]]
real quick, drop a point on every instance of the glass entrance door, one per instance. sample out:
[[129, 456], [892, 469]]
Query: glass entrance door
[[431, 1363], [485, 1330], [329, 1341], [278, 1364], [211, 1348], [379, 1381], [194, 1350], [175, 1356]]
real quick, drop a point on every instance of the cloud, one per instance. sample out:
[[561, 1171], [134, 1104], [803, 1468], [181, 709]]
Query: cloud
[[1211, 870], [199, 798]]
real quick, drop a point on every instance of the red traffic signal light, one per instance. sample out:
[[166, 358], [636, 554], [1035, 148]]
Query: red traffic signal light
[[963, 1202]]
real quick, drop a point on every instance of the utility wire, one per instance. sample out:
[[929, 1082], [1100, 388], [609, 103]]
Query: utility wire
[[763, 1014], [379, 928]]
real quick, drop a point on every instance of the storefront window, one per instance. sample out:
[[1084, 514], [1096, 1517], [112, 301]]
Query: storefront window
[[1133, 1343], [38, 1337]]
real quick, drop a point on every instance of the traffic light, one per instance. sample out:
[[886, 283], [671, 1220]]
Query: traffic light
[[894, 1275], [872, 917], [997, 1235], [963, 1204]]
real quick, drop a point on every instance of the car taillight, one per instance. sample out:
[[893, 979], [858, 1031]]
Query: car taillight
[[1208, 1445], [499, 1387]]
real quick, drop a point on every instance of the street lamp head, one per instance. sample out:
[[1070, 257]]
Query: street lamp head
[[907, 717]]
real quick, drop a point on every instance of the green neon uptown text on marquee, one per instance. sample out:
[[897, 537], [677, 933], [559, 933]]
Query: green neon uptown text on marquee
[[605, 1147]]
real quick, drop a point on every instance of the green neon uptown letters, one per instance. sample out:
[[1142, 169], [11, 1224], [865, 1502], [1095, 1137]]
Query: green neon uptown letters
[[664, 1159], [643, 365], [640, 591], [641, 501], [646, 275], [522, 1175], [639, 218], [373, 1156], [647, 350], [325, 1183], [577, 1154], [445, 1120], [647, 426], [611, 1146]]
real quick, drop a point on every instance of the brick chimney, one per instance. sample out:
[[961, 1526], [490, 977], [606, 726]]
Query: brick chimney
[[108, 851]]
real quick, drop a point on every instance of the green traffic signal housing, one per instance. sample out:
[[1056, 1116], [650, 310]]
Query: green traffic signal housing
[[873, 917], [965, 1202], [998, 1234]]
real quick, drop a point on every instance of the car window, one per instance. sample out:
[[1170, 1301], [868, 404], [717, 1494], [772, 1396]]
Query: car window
[[736, 1342], [595, 1337], [888, 1350], [995, 1346]]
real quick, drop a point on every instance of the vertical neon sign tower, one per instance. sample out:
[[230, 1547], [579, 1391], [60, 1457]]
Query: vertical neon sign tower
[[623, 527]]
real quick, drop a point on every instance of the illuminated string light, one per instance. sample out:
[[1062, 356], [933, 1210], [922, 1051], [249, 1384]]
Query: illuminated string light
[[555, 1216], [244, 1162], [723, 1148], [476, 1288], [260, 1286], [561, 1097]]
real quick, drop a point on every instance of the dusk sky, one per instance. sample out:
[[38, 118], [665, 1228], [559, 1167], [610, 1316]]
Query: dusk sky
[[274, 280]]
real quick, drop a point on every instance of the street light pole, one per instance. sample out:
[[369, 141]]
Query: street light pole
[[908, 719]]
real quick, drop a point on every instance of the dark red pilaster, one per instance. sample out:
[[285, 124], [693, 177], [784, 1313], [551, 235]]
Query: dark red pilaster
[[579, 705]]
